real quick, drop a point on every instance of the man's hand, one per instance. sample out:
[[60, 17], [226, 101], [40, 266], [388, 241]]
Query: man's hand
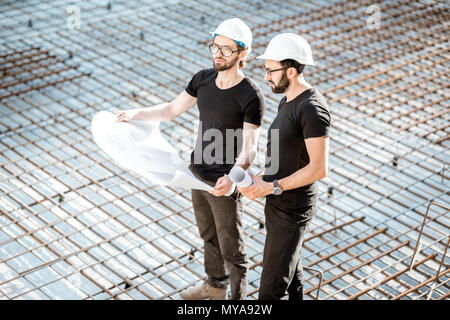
[[222, 186], [258, 189], [126, 115]]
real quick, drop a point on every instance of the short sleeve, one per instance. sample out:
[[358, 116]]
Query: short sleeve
[[193, 85], [314, 120], [254, 110]]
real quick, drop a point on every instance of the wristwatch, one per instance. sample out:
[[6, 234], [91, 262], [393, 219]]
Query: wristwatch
[[276, 188]]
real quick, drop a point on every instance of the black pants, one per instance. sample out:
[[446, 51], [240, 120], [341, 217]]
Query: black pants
[[219, 224], [282, 274]]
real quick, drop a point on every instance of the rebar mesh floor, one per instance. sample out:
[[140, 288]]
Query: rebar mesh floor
[[74, 225]]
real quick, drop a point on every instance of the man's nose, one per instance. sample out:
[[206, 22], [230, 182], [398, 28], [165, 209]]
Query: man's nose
[[266, 76], [219, 54]]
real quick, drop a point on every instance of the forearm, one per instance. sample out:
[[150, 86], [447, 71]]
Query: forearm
[[245, 159], [248, 153], [160, 112], [302, 177], [250, 146], [262, 172]]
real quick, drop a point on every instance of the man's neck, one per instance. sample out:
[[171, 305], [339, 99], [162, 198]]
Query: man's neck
[[229, 78], [296, 88]]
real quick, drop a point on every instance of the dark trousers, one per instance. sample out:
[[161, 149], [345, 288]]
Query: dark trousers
[[219, 224], [282, 274]]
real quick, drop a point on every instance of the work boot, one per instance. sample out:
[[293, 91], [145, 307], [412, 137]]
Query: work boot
[[205, 291]]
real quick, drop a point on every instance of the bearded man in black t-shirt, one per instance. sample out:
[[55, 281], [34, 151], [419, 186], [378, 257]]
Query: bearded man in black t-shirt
[[297, 156], [231, 108]]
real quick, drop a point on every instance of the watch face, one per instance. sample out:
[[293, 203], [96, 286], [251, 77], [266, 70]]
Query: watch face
[[277, 191]]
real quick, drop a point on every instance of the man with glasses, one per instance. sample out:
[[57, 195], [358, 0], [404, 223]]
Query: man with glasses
[[301, 126], [230, 109]]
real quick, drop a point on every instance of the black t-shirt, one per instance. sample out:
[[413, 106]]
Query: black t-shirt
[[306, 116], [221, 110]]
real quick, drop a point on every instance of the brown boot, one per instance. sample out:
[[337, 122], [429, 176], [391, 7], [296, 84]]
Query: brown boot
[[205, 291]]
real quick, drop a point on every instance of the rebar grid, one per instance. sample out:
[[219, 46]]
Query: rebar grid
[[74, 225]]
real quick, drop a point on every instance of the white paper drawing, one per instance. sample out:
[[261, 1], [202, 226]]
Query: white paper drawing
[[138, 146]]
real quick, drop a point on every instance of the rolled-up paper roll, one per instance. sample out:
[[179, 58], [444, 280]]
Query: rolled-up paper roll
[[240, 177]]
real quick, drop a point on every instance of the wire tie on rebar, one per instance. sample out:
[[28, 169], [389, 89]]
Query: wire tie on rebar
[[330, 192], [395, 161], [192, 254]]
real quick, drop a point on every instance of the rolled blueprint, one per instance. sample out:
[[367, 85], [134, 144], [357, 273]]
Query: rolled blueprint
[[240, 177]]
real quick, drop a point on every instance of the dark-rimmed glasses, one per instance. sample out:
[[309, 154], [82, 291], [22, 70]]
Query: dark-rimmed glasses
[[226, 51], [269, 72]]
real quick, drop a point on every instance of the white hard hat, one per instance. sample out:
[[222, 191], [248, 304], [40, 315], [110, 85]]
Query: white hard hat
[[289, 46], [236, 30]]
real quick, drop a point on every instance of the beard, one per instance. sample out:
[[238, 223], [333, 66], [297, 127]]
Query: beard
[[225, 65], [282, 85]]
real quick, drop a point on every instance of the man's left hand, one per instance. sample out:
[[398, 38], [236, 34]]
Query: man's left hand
[[222, 186]]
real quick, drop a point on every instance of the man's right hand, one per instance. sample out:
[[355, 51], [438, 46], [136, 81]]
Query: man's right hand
[[126, 115]]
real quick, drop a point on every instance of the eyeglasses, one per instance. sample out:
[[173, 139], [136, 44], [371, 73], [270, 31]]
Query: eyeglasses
[[226, 51], [269, 72]]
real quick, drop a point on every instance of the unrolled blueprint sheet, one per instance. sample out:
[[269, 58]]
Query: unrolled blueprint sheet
[[139, 147]]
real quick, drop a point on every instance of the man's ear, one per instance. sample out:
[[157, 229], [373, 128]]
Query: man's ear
[[243, 54], [291, 73]]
